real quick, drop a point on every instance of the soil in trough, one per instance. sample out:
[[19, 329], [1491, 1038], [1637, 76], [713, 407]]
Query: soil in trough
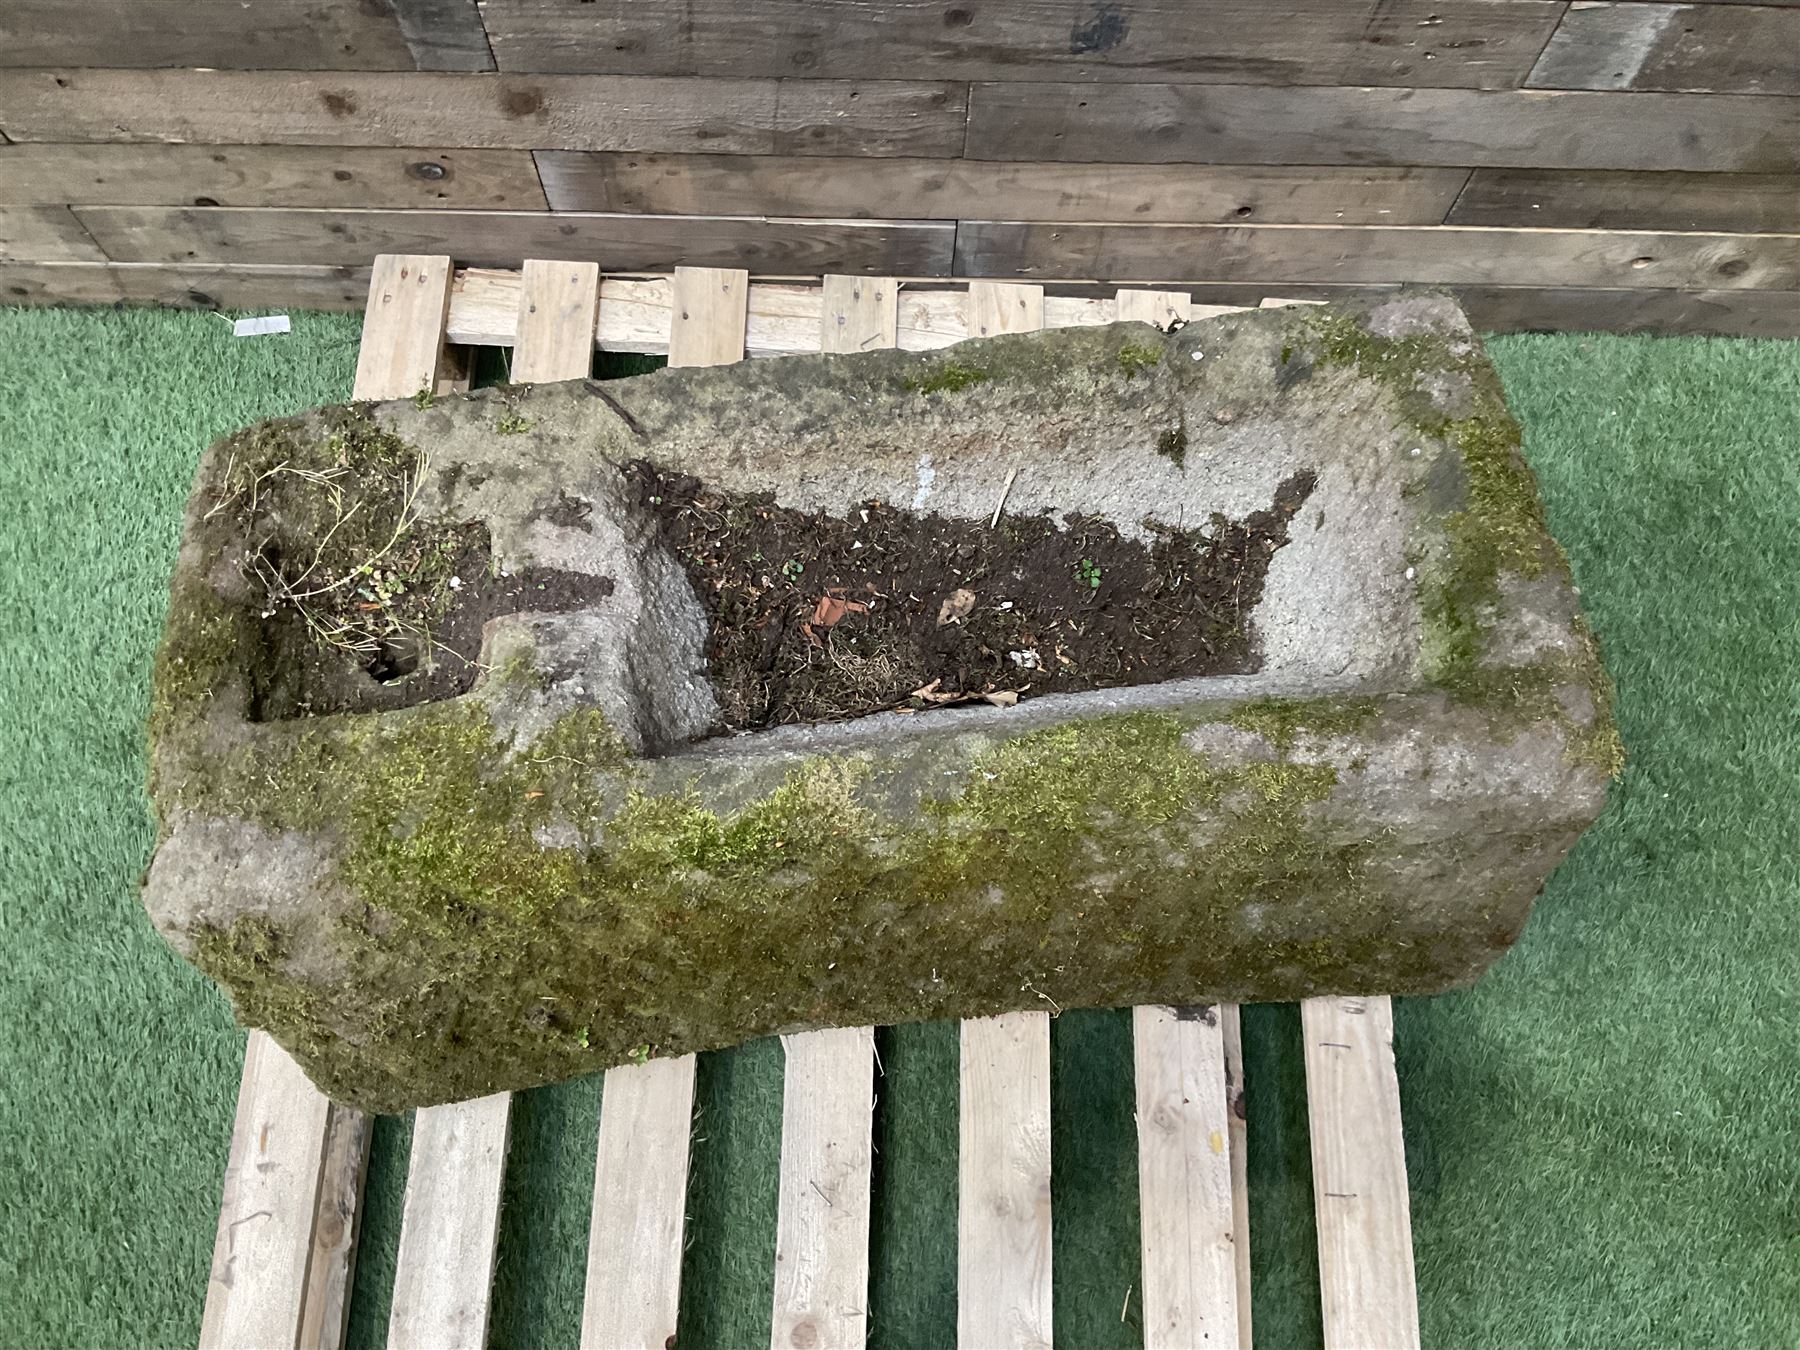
[[816, 617]]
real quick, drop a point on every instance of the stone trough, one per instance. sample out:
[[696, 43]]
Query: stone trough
[[553, 864]]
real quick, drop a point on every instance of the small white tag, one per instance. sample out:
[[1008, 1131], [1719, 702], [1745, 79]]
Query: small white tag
[[269, 323]]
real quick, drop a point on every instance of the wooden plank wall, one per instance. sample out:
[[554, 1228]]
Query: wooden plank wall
[[1631, 166]]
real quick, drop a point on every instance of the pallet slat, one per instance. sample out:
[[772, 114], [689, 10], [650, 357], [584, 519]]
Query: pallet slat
[[450, 1229], [257, 1291], [1237, 1121], [1003, 1247], [858, 314], [559, 304], [1188, 1215], [822, 1223], [633, 1289], [1359, 1175]]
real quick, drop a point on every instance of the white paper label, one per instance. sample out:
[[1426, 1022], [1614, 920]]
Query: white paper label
[[269, 323]]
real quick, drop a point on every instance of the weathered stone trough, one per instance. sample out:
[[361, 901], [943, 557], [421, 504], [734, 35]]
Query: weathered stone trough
[[553, 866]]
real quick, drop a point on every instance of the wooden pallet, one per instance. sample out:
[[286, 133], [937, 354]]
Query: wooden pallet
[[284, 1254]]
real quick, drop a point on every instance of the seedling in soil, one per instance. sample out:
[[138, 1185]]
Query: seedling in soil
[[1088, 574], [792, 569], [640, 1054]]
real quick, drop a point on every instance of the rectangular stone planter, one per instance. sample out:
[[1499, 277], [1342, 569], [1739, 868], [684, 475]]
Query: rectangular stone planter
[[558, 869]]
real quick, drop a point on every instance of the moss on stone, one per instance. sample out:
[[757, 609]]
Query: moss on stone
[[1499, 530], [1282, 721], [1135, 358], [475, 955], [947, 376], [1172, 445]]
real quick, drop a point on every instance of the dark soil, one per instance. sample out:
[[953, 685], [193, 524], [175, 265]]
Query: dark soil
[[435, 655], [819, 618]]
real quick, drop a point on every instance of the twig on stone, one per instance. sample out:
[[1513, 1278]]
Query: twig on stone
[[1005, 490], [598, 390]]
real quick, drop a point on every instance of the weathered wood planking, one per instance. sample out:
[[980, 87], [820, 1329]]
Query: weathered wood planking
[[559, 304], [1158, 308], [197, 287], [633, 1286], [267, 175], [1003, 1166], [997, 307], [257, 1291], [269, 35], [1472, 43], [1516, 309], [1709, 49], [822, 1223], [634, 313], [1738, 203], [708, 313], [1238, 1122], [857, 314], [1188, 1222], [402, 348], [506, 238], [1377, 254], [44, 234], [1247, 124], [1359, 1175], [450, 1230], [548, 112], [951, 189]]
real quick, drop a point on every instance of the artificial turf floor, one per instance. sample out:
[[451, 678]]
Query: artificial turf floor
[[1601, 1136]]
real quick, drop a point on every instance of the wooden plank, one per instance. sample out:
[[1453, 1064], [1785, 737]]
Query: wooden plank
[[202, 287], [1450, 255], [783, 317], [450, 1228], [1712, 49], [257, 1290], [1247, 124], [403, 326], [1188, 1223], [272, 34], [997, 307], [1739, 203], [939, 189], [1520, 309], [1237, 1121], [559, 306], [267, 175], [337, 1223], [1488, 43], [709, 311], [44, 234], [1359, 1175], [505, 238], [1159, 308], [859, 314], [640, 1197], [1003, 1209], [443, 34], [822, 1225], [532, 112]]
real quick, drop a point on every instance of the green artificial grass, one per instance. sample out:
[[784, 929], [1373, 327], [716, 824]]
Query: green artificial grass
[[1600, 1136]]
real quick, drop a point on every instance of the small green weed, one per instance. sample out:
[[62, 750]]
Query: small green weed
[[1088, 573]]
